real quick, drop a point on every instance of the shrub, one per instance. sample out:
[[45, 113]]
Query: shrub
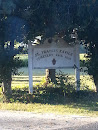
[[63, 84]]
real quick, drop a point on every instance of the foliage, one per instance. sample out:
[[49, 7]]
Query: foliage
[[48, 94], [24, 59], [52, 17], [62, 85], [8, 65], [65, 82], [82, 103], [89, 34], [11, 29], [27, 19], [51, 97]]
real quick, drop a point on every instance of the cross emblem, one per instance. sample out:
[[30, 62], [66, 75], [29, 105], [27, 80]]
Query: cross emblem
[[53, 61]]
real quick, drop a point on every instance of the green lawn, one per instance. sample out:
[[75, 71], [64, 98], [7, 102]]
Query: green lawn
[[51, 99], [23, 81], [67, 109]]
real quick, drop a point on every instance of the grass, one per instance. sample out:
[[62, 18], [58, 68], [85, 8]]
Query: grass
[[70, 109], [51, 100], [83, 105], [86, 81]]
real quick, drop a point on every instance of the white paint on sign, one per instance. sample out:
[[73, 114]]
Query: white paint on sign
[[53, 58], [57, 54]]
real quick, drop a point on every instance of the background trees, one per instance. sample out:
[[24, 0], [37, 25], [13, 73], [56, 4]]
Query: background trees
[[11, 29], [24, 20], [89, 33]]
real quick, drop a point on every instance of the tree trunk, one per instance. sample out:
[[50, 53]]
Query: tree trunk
[[96, 83], [6, 88], [50, 74]]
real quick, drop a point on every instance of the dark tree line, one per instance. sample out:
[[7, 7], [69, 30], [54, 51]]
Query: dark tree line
[[23, 20]]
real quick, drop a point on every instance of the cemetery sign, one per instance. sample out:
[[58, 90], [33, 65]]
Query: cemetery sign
[[52, 55]]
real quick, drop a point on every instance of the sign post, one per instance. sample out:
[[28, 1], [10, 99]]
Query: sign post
[[30, 66], [77, 68]]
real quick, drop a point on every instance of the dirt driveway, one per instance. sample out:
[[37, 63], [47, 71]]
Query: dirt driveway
[[15, 120]]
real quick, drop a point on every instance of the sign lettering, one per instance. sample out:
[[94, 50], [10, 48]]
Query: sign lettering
[[53, 57]]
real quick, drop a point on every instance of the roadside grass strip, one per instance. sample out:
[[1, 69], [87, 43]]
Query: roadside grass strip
[[71, 109]]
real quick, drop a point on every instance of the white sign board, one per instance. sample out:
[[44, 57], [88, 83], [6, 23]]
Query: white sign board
[[53, 58], [53, 55]]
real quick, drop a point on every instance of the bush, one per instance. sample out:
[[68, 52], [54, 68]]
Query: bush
[[63, 84]]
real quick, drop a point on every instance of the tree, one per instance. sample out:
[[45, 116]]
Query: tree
[[61, 17], [11, 29], [48, 18], [50, 75], [89, 34]]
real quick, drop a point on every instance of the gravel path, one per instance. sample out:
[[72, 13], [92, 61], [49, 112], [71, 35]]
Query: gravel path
[[15, 120]]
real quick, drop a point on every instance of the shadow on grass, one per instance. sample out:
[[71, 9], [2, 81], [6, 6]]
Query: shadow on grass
[[55, 96], [25, 81]]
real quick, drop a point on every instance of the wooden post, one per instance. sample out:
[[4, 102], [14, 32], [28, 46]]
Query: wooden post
[[77, 69], [30, 66]]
